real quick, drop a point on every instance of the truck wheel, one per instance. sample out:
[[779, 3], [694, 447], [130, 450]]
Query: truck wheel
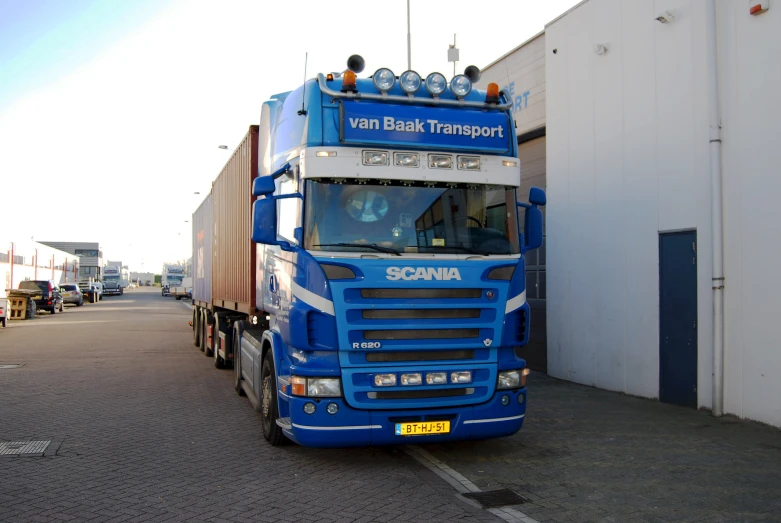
[[209, 353], [268, 402], [196, 327], [219, 363], [237, 364], [202, 323]]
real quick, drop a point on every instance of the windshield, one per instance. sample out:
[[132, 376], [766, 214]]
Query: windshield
[[111, 277], [175, 280], [411, 217]]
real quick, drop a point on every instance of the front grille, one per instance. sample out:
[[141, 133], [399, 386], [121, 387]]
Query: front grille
[[421, 293], [421, 334], [418, 394], [420, 314], [434, 355]]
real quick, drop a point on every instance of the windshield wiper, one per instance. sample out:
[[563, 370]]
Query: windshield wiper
[[388, 250]]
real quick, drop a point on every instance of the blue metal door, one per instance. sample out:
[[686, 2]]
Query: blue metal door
[[678, 318]]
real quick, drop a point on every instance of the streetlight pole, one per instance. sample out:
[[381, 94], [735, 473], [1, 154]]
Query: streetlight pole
[[409, 42]]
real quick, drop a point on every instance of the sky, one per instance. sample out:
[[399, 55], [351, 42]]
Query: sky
[[112, 111]]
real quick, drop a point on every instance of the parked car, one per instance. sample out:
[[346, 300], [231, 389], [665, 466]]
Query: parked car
[[72, 294], [50, 300]]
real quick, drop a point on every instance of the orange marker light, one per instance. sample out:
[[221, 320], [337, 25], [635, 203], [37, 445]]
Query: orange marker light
[[299, 386], [329, 77], [492, 94], [348, 82]]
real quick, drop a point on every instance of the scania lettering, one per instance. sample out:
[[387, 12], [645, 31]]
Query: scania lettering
[[360, 263]]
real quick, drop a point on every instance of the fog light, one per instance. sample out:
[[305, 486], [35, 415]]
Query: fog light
[[505, 401], [332, 408], [309, 408], [411, 379], [461, 376], [521, 397], [436, 378], [384, 380]]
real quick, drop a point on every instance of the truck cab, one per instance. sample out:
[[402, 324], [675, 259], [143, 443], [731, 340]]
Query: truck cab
[[111, 281], [390, 264]]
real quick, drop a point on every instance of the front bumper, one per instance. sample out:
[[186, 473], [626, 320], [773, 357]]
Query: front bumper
[[350, 427]]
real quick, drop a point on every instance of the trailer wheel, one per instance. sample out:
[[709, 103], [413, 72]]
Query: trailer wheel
[[206, 349], [237, 363], [268, 402], [202, 324], [219, 363], [196, 327]]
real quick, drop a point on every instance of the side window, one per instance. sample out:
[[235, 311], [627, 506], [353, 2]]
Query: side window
[[288, 208]]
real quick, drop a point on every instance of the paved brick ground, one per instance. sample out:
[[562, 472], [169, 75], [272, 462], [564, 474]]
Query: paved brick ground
[[590, 455], [150, 431]]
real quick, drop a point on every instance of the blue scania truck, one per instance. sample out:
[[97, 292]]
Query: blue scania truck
[[387, 247]]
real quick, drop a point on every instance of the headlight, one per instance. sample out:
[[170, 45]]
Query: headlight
[[375, 158], [410, 82], [316, 387], [460, 85], [469, 163], [436, 83], [440, 161], [324, 387], [406, 159], [509, 379], [383, 79]]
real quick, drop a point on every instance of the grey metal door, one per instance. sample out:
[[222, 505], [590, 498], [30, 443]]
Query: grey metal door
[[678, 318]]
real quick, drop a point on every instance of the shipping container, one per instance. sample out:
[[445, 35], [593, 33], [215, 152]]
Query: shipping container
[[233, 254], [202, 253]]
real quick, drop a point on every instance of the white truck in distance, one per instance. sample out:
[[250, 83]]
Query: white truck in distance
[[172, 276], [185, 290], [111, 280]]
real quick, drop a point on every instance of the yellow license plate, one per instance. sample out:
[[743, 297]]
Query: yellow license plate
[[422, 428]]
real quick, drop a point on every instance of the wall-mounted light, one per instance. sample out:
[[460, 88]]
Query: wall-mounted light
[[665, 17]]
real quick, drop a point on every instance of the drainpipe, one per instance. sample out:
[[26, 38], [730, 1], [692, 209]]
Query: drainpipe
[[716, 178]]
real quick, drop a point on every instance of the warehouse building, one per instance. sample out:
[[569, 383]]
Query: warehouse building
[[90, 257], [660, 163]]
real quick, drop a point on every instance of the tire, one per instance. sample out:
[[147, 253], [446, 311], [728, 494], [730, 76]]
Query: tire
[[178, 298], [92, 297], [62, 306], [209, 353], [80, 302], [268, 402], [219, 363], [237, 363], [5, 322], [53, 310], [202, 324], [196, 327]]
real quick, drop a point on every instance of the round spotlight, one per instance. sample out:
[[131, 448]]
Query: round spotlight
[[436, 83], [505, 401], [410, 82], [309, 408], [383, 79], [332, 408], [460, 85], [521, 397]]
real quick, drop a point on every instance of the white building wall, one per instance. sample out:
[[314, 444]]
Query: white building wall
[[750, 49], [627, 158], [38, 261]]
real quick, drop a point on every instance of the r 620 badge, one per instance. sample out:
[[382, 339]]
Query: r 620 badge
[[367, 345]]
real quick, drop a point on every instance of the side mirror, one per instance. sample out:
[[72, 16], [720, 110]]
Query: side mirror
[[263, 185], [264, 222], [532, 228]]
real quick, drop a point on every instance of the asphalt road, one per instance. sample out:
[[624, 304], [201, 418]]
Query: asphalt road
[[142, 427]]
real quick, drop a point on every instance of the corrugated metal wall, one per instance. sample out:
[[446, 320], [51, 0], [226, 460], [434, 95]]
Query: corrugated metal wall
[[202, 251], [233, 254]]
